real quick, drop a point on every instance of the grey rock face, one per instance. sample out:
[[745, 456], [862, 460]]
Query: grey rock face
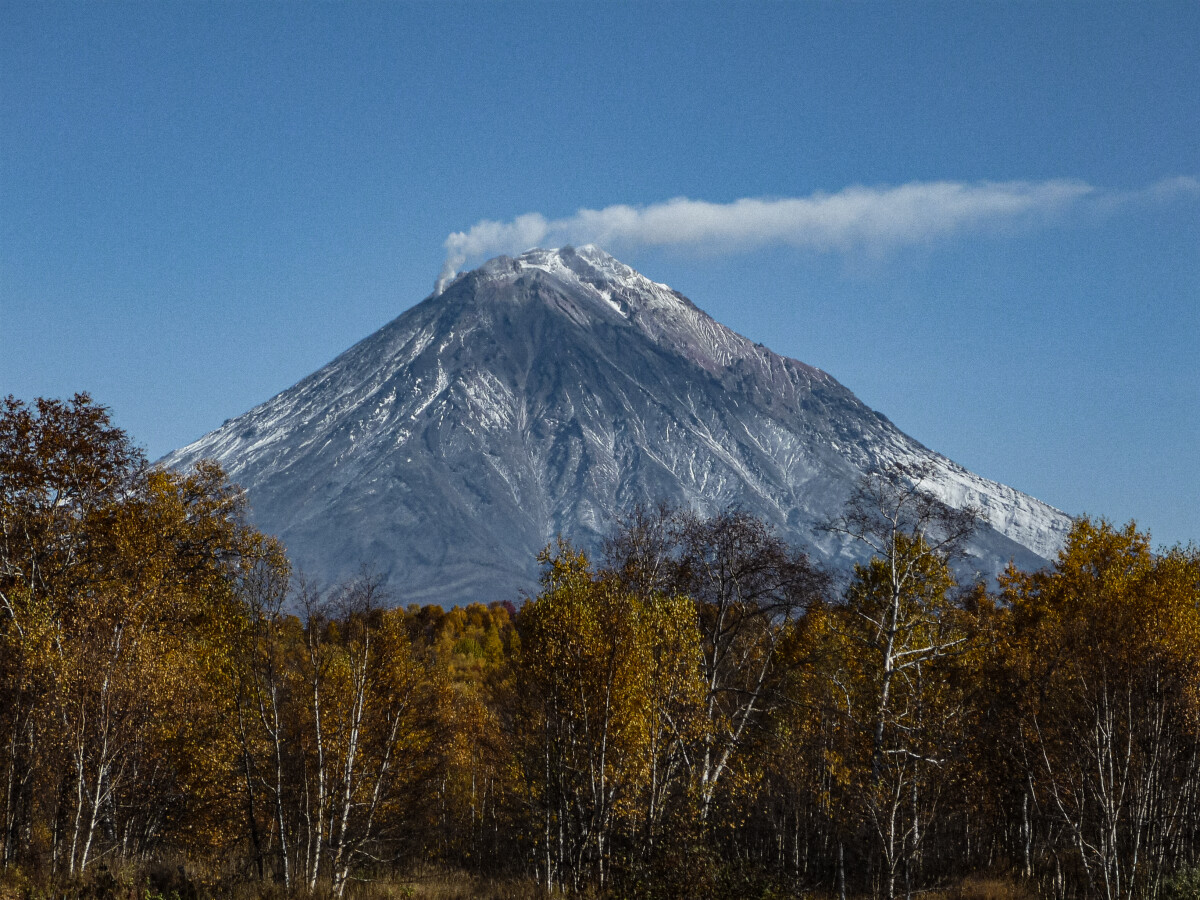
[[542, 395]]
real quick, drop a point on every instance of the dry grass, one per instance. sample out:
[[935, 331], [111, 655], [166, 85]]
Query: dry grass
[[460, 886], [431, 885], [135, 885], [982, 887]]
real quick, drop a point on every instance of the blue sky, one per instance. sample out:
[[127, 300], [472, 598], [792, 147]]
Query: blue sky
[[200, 204]]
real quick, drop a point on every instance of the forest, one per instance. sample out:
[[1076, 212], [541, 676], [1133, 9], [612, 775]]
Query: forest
[[697, 710]]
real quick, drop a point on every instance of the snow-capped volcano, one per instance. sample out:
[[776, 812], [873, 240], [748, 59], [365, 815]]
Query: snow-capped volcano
[[542, 395]]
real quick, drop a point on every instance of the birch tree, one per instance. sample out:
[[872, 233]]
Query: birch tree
[[610, 677], [365, 727], [899, 620], [1107, 647], [748, 585]]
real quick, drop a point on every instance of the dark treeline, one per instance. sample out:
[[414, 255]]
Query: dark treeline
[[698, 712]]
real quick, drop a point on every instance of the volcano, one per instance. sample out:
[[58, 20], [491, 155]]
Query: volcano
[[543, 395]]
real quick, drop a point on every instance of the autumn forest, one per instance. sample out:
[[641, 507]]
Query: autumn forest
[[697, 710]]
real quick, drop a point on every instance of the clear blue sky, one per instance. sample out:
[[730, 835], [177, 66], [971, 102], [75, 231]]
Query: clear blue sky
[[200, 204]]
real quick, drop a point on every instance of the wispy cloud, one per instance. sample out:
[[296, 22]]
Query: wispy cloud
[[867, 218]]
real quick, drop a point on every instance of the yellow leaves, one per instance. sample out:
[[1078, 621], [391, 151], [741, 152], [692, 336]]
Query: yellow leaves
[[611, 686], [1108, 605], [127, 582]]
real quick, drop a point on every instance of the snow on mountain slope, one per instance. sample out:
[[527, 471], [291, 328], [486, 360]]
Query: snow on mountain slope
[[541, 395]]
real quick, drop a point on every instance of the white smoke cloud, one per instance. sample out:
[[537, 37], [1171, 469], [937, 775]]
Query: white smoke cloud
[[866, 218], [487, 238]]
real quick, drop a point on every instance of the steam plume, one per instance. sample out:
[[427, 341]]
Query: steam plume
[[866, 218]]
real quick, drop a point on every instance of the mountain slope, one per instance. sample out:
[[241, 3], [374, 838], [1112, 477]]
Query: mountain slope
[[540, 395]]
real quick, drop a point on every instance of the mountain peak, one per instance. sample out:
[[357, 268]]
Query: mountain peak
[[588, 266], [589, 285]]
